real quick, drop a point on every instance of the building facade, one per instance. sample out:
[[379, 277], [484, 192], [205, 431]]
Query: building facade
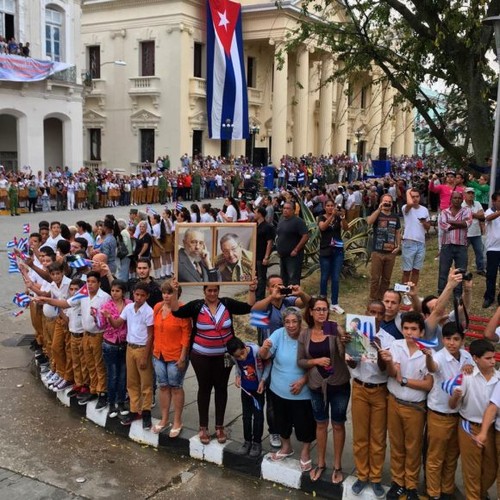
[[146, 90], [41, 122]]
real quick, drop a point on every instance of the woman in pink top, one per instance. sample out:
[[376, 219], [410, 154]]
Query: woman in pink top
[[114, 348]]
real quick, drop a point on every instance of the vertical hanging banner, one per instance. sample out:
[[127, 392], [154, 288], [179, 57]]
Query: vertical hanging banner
[[227, 98]]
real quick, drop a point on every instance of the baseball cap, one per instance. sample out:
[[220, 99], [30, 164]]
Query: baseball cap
[[469, 190]]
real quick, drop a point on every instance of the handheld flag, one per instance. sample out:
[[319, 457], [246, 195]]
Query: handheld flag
[[150, 210], [79, 295], [254, 399], [178, 206], [259, 319], [367, 329], [13, 267], [227, 95], [449, 385], [80, 262], [466, 427], [26, 229], [97, 246], [21, 299], [12, 243], [22, 245], [426, 344]]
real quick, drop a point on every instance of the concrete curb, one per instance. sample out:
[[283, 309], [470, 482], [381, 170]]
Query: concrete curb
[[286, 472]]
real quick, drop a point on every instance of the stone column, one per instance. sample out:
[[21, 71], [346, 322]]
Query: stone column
[[399, 133], [326, 106], [300, 114], [375, 120], [409, 133], [280, 108], [386, 122], [341, 119]]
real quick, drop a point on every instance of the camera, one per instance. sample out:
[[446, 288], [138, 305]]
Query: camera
[[286, 290], [398, 287], [339, 207], [387, 205], [465, 275]]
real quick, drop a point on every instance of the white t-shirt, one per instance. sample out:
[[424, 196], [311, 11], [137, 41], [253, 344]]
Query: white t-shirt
[[414, 229], [492, 242], [495, 399], [474, 228], [231, 212], [476, 394]]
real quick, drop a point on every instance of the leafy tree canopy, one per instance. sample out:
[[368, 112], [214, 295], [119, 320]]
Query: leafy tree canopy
[[416, 43]]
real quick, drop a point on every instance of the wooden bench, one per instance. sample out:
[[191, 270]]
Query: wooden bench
[[477, 326]]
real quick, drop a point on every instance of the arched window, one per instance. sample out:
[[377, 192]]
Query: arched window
[[53, 34]]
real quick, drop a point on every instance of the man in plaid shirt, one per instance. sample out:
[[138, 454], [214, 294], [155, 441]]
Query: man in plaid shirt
[[453, 222]]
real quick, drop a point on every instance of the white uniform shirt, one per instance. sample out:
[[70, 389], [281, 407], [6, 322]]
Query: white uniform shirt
[[56, 292], [476, 394], [412, 367], [137, 323], [367, 370], [495, 399], [448, 367], [99, 299], [414, 229], [74, 314], [52, 242]]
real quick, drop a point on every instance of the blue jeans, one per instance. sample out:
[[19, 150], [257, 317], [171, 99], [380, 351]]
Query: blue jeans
[[492, 264], [116, 372], [476, 242], [330, 268], [451, 254]]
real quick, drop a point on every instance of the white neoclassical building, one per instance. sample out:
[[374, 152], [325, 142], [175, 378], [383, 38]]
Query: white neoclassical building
[[146, 90], [41, 122]]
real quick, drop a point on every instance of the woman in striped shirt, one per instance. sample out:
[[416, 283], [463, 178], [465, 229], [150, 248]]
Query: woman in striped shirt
[[212, 328]]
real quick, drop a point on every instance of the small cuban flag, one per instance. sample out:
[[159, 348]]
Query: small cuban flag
[[13, 267], [259, 319], [97, 246], [21, 299], [80, 262], [367, 329], [79, 295], [150, 210], [12, 243], [466, 427], [449, 385], [179, 206], [426, 344], [23, 245], [26, 229], [254, 399]]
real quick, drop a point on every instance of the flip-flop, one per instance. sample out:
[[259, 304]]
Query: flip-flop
[[317, 472], [305, 466], [174, 432], [279, 455], [156, 429], [335, 472]]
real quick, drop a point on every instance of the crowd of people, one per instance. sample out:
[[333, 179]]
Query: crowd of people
[[14, 48], [111, 328]]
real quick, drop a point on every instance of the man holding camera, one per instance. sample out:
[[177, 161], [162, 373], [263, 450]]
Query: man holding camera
[[386, 245], [454, 223]]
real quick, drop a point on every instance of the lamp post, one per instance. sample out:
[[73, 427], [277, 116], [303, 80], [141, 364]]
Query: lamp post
[[254, 130], [358, 135], [495, 22]]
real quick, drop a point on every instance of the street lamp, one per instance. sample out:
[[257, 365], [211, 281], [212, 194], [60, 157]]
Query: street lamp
[[254, 130], [495, 22], [227, 133]]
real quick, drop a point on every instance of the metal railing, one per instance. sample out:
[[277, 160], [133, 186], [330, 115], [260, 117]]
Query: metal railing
[[67, 75]]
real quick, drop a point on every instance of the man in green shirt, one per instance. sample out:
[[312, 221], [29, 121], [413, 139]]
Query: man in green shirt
[[481, 189]]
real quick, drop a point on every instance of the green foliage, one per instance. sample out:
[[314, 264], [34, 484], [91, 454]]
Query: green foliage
[[415, 43]]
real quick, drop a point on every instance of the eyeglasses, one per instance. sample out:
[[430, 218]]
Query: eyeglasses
[[321, 309]]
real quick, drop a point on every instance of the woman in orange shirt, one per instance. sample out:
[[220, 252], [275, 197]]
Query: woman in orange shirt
[[170, 359]]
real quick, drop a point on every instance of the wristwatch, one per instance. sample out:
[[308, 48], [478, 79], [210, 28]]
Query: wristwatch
[[404, 382]]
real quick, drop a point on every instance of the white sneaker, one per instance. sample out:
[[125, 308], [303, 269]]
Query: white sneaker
[[275, 440], [47, 376], [63, 384], [54, 380], [336, 309]]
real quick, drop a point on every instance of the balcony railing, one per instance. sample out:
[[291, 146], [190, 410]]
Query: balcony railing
[[67, 75], [94, 165], [254, 96], [197, 87], [146, 84]]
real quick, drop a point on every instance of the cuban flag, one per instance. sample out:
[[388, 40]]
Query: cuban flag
[[466, 427], [259, 319], [178, 206], [26, 229], [254, 399], [368, 331], [12, 243], [449, 385], [80, 262], [150, 210], [79, 295], [21, 299], [426, 344], [227, 98]]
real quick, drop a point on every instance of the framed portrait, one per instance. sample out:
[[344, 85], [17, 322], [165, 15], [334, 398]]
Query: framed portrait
[[222, 253]]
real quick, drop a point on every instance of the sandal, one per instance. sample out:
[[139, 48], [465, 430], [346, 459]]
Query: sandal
[[158, 428], [317, 472], [336, 473], [279, 455], [305, 466], [204, 436], [221, 435]]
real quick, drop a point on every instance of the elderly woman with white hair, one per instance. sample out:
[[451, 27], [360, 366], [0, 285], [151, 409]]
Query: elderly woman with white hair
[[289, 391], [124, 267]]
